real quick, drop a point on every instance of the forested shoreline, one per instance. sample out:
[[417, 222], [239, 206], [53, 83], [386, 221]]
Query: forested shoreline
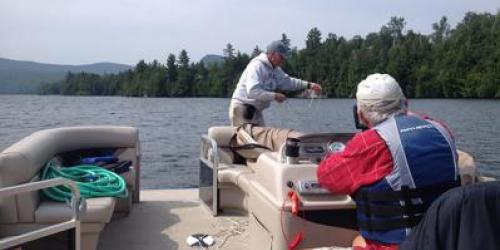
[[451, 62]]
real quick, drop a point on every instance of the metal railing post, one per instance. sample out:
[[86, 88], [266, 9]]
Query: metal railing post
[[214, 163], [74, 223]]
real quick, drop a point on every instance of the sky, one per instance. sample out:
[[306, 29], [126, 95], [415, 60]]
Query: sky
[[126, 31]]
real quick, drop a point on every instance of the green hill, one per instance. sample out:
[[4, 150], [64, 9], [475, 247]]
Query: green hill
[[210, 59], [24, 77]]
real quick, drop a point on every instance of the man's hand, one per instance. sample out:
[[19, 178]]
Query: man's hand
[[279, 97], [315, 87]]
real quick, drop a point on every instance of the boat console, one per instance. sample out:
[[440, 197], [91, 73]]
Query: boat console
[[278, 191]]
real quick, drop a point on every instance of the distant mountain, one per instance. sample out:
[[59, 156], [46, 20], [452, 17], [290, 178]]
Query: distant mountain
[[212, 59], [24, 77]]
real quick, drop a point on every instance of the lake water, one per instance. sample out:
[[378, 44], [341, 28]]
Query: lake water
[[170, 128]]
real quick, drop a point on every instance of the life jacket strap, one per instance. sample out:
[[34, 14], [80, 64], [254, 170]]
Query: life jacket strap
[[388, 210], [389, 224], [412, 193]]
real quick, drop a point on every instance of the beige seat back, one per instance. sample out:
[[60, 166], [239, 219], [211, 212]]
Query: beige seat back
[[223, 136]]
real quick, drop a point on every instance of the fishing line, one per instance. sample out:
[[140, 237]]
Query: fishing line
[[283, 113], [311, 95], [314, 105]]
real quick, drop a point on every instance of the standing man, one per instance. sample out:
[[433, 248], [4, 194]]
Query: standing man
[[394, 169], [258, 84]]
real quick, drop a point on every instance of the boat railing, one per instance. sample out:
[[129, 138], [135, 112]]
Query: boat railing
[[72, 224], [209, 155]]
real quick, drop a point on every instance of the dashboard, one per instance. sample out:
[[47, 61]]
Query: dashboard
[[314, 147]]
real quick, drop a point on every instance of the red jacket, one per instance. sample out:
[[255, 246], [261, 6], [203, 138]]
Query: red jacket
[[365, 160]]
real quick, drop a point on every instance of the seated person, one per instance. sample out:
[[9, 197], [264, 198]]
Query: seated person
[[394, 169], [463, 218]]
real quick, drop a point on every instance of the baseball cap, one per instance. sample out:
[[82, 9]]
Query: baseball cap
[[279, 47]]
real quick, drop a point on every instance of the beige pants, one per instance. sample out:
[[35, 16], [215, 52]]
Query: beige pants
[[236, 113], [271, 138]]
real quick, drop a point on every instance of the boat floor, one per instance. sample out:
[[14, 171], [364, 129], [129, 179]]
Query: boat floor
[[165, 218]]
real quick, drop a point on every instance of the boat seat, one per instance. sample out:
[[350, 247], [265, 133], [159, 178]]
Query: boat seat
[[235, 179], [234, 187], [99, 210], [23, 161], [230, 172], [235, 174], [222, 136]]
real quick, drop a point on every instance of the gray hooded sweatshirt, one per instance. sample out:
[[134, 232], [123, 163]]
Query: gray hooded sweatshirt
[[259, 81]]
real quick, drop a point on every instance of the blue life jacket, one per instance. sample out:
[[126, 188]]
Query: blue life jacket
[[425, 166]]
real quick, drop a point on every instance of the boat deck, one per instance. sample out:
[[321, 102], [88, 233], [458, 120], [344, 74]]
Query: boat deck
[[165, 218]]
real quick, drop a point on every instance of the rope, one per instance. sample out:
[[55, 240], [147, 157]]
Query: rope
[[93, 181]]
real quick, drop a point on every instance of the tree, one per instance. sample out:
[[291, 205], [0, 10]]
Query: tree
[[141, 67], [396, 26], [463, 61], [171, 77], [313, 41], [200, 87], [183, 60], [184, 84], [229, 51], [256, 51], [441, 30], [171, 68], [285, 40]]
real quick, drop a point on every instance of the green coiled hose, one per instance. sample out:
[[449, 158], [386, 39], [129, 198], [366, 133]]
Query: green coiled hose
[[93, 181]]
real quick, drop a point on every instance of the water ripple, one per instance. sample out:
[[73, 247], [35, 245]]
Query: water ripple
[[170, 128]]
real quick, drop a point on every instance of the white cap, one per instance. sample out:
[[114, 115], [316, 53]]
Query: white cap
[[380, 91]]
